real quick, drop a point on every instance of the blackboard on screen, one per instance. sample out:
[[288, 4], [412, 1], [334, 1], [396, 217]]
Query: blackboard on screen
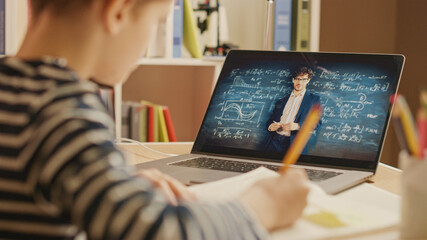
[[354, 97]]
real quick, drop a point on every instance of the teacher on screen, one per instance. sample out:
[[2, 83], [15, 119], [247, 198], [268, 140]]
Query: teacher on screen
[[289, 113]]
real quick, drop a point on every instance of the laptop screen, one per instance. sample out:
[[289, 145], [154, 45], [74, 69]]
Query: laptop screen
[[262, 98]]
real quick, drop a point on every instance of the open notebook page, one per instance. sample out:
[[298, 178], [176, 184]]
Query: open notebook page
[[361, 209]]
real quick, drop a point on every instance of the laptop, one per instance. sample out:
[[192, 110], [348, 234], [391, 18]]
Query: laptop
[[252, 92]]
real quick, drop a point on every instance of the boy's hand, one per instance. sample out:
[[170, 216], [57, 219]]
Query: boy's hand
[[278, 202], [171, 188]]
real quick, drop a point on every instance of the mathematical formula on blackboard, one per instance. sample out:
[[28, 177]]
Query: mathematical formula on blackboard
[[353, 103]]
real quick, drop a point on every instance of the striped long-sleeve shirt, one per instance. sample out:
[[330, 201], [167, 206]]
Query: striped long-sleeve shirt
[[61, 174]]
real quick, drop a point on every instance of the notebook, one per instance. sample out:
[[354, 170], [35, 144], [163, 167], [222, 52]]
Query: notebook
[[364, 210], [261, 99]]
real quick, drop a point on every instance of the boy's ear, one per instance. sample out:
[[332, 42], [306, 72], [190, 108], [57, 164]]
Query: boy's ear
[[115, 13]]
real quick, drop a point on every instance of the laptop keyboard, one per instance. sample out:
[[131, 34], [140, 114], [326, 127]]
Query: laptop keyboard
[[236, 166]]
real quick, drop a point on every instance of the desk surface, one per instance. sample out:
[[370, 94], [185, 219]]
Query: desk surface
[[386, 177]]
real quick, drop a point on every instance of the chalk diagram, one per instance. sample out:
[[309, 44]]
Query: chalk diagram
[[247, 111], [240, 82], [239, 114]]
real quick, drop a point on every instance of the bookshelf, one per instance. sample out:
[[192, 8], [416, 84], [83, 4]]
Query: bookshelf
[[185, 84]]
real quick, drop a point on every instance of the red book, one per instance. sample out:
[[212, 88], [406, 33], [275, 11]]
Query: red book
[[150, 123], [169, 124]]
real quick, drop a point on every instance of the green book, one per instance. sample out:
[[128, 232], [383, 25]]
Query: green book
[[163, 131], [301, 25], [143, 124], [191, 39], [156, 124]]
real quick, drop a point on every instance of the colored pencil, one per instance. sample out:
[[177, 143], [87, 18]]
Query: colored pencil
[[423, 99], [397, 124], [422, 123], [302, 137], [408, 124], [422, 131]]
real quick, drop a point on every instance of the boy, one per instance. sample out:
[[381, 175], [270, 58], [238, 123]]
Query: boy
[[61, 174]]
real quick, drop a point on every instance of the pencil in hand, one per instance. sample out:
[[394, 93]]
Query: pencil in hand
[[302, 137]]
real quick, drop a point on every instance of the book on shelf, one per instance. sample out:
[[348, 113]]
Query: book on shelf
[[163, 132], [178, 28], [142, 121], [301, 25], [152, 124], [190, 36], [143, 113], [135, 120], [169, 124], [282, 25]]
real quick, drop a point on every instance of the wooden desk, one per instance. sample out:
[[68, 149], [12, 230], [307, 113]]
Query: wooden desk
[[387, 178]]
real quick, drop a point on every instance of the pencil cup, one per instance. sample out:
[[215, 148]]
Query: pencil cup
[[414, 197]]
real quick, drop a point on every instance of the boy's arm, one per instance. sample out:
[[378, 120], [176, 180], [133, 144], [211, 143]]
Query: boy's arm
[[84, 176]]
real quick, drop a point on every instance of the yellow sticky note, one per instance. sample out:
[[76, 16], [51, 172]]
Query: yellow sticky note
[[325, 219]]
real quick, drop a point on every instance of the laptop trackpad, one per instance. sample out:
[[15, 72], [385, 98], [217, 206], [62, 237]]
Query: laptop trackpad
[[191, 176]]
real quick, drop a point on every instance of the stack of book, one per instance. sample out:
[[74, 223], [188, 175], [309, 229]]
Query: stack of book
[[147, 122]]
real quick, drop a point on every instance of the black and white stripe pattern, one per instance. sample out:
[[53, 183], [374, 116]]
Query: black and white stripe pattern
[[61, 175]]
